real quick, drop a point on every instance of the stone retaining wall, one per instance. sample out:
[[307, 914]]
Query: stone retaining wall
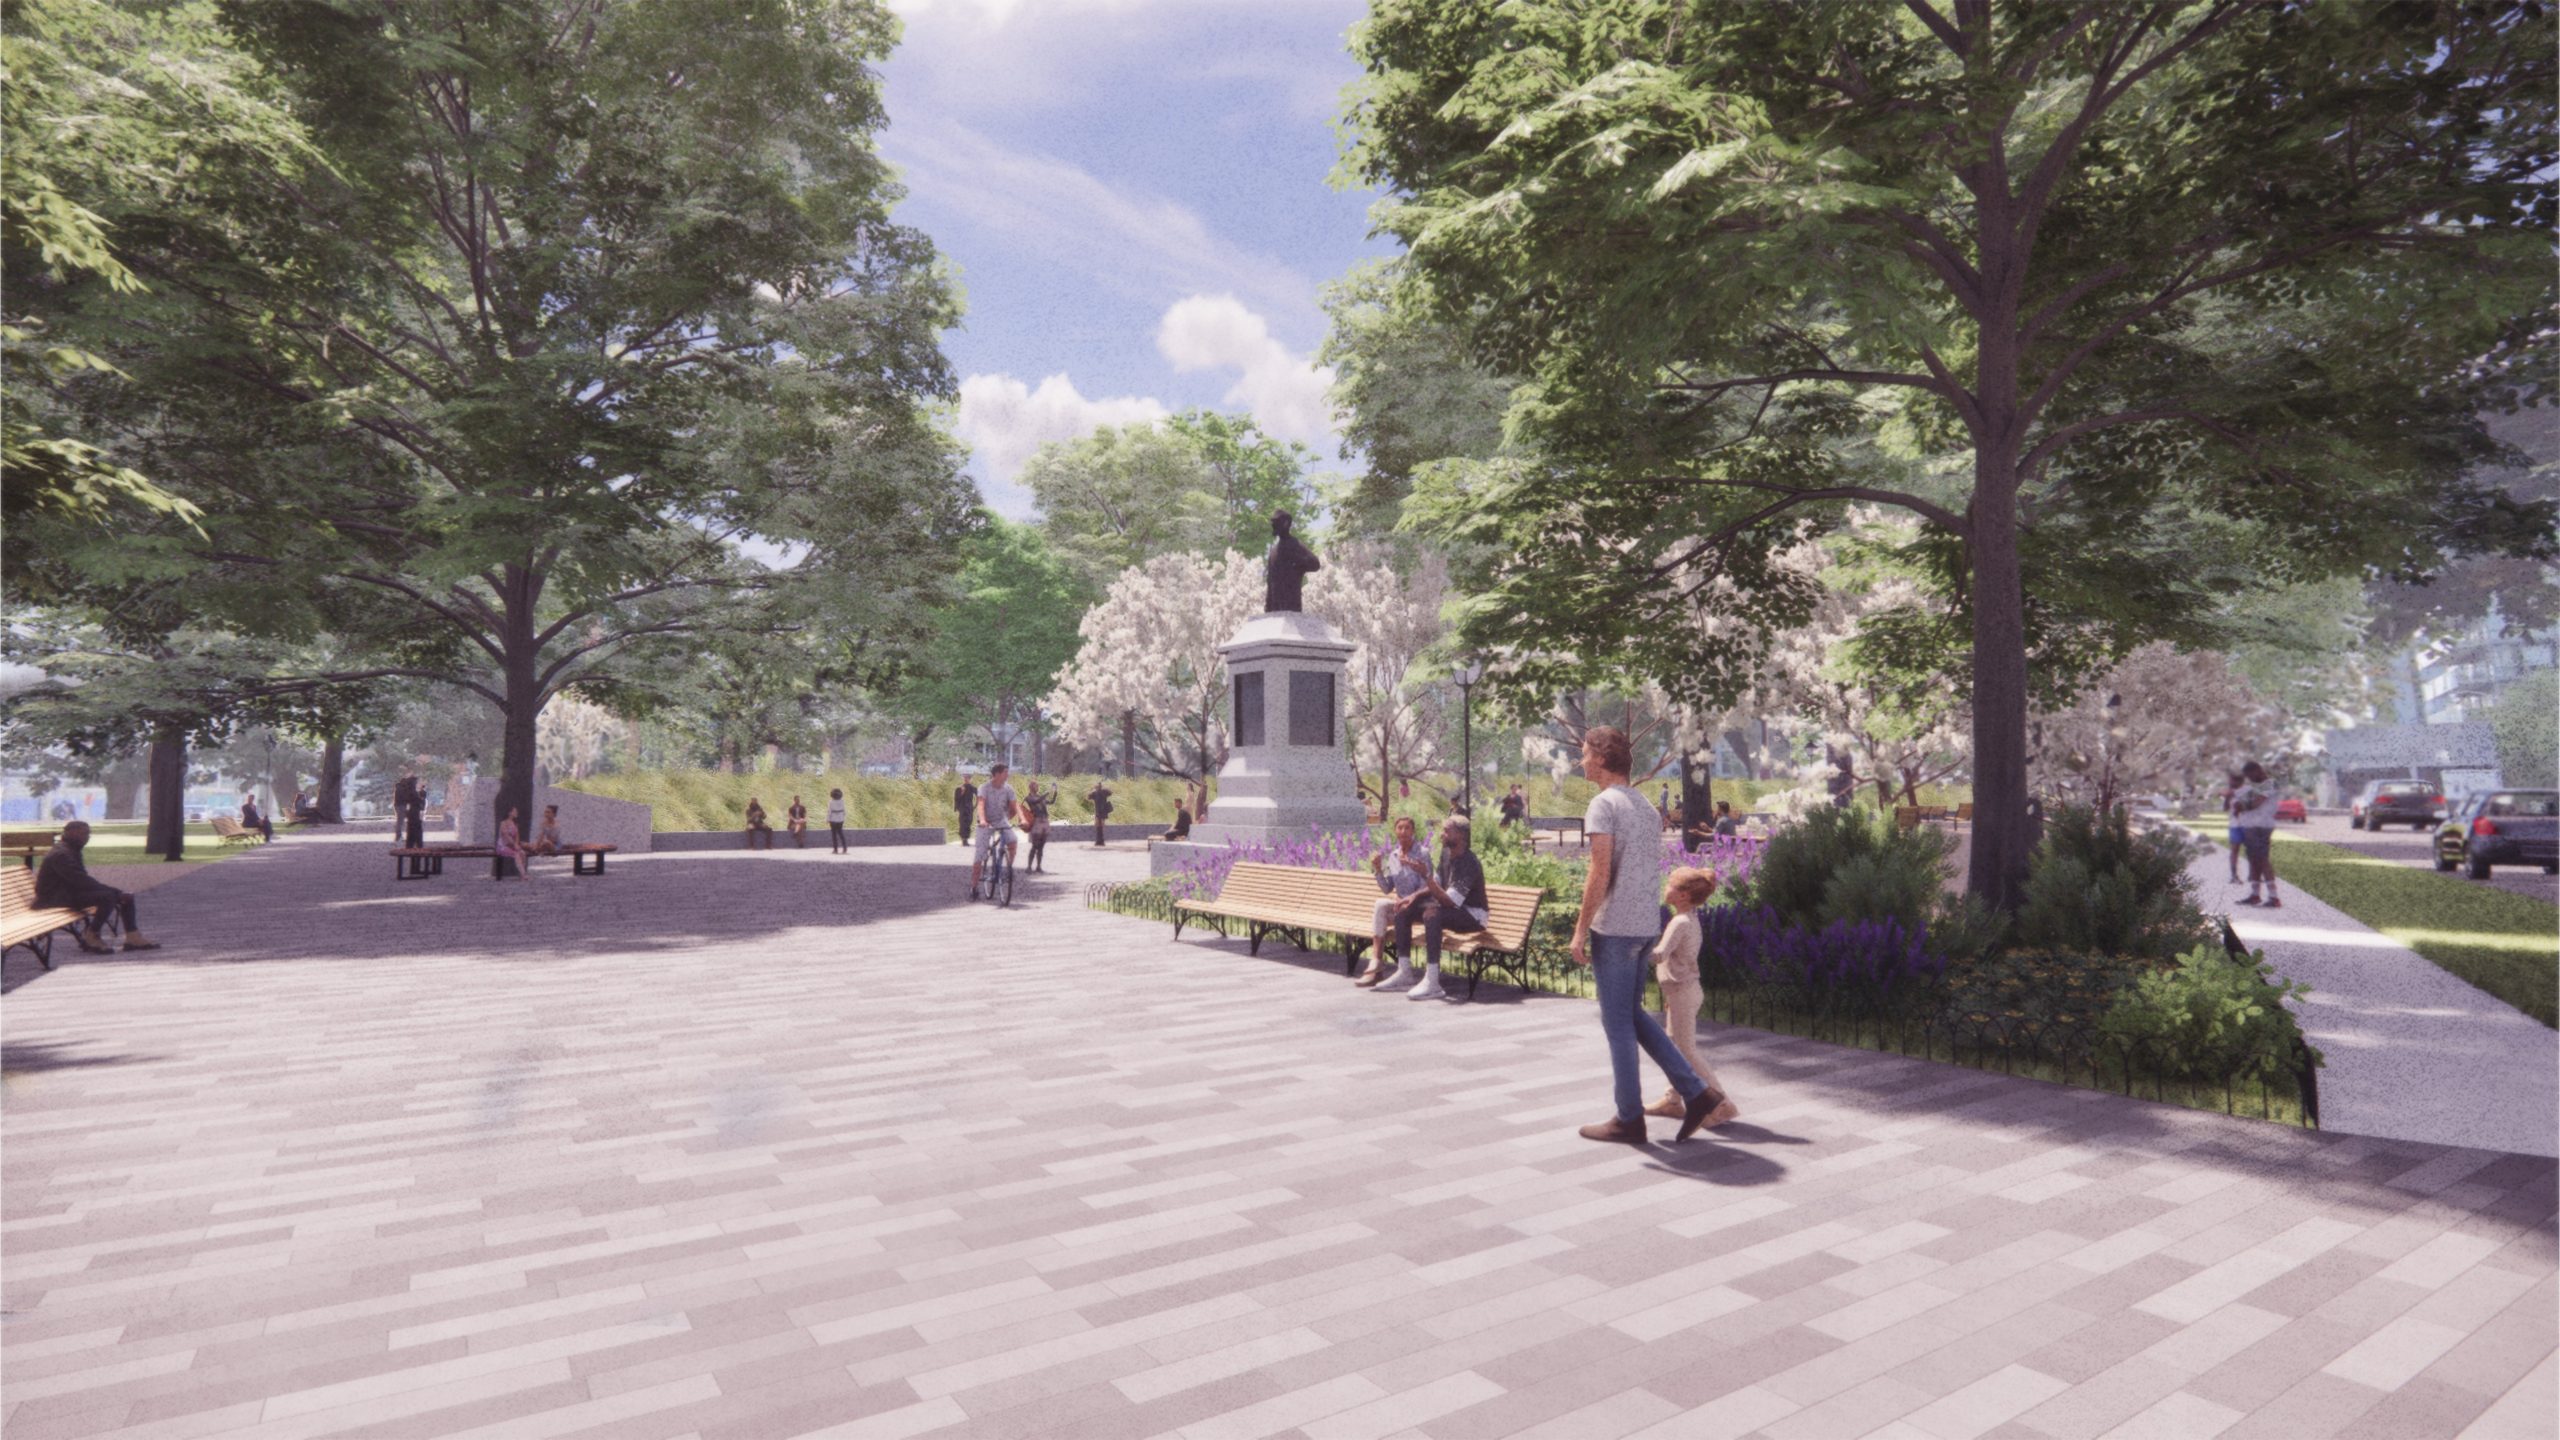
[[737, 839]]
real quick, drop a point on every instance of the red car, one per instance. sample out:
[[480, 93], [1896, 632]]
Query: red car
[[2292, 809]]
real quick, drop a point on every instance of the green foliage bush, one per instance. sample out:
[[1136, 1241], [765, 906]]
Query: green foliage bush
[[2095, 885], [1849, 864], [2038, 987], [2211, 1015]]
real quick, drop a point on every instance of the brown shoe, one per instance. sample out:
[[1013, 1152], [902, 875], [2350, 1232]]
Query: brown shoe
[[1670, 1106], [1615, 1131], [134, 941], [1701, 1105], [89, 942]]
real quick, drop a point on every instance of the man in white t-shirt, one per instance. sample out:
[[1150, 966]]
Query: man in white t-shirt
[[1621, 915]]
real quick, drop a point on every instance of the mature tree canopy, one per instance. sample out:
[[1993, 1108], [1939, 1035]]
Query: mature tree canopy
[[2124, 263], [584, 298], [1197, 483], [999, 644]]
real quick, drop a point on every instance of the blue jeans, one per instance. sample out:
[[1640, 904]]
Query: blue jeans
[[1619, 967]]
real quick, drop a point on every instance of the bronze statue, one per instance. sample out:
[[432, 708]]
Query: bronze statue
[[1285, 568]]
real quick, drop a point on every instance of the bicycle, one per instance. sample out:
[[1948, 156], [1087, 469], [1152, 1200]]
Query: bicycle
[[997, 881]]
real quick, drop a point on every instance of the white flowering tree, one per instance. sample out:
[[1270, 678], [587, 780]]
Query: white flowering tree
[[573, 735], [1893, 744], [2179, 722], [1146, 673], [1394, 712]]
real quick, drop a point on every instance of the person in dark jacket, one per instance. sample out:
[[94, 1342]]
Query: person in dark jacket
[[1099, 797], [255, 819], [965, 801], [63, 882], [1452, 900]]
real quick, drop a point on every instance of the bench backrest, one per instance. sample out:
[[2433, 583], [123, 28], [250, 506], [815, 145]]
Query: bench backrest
[[41, 839], [17, 890], [225, 825], [1346, 899]]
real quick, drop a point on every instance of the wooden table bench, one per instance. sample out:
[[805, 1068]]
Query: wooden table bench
[[25, 845], [22, 925], [426, 862], [1301, 902], [233, 832]]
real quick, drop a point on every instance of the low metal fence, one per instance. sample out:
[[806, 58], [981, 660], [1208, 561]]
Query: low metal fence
[[1920, 1020]]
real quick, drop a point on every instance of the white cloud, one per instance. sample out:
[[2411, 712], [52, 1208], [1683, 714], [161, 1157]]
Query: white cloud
[[1285, 392], [1003, 421], [1136, 243]]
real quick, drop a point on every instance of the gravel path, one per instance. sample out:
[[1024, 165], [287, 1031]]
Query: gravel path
[[2414, 1053]]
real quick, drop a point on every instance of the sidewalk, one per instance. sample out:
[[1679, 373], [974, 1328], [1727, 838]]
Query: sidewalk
[[2414, 1053]]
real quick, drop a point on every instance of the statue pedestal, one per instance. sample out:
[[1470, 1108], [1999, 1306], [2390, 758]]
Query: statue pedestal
[[1285, 775]]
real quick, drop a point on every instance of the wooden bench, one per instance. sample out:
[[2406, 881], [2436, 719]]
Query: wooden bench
[[1559, 824], [579, 855], [25, 845], [22, 925], [1301, 902], [425, 862], [233, 832]]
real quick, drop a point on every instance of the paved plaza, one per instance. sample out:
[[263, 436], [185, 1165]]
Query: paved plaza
[[733, 1146]]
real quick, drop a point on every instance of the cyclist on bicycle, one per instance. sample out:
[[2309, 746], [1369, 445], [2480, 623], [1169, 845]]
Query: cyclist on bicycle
[[998, 808]]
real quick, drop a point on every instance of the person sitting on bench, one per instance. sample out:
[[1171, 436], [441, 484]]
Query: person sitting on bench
[[1453, 900], [63, 882], [546, 840], [757, 825], [1412, 861], [1181, 824], [251, 818]]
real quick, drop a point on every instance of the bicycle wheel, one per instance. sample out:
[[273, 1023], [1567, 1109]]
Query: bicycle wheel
[[1004, 895]]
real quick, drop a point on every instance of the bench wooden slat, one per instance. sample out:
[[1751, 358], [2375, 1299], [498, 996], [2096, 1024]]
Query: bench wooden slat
[[1344, 902], [22, 924]]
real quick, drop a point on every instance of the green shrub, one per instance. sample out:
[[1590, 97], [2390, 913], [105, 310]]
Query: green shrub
[[2029, 988], [1966, 929], [1848, 864], [2211, 1016], [2095, 885]]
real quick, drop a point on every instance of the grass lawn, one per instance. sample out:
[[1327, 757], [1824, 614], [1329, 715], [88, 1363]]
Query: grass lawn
[[119, 842], [2505, 943]]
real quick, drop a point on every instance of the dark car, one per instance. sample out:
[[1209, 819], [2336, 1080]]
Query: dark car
[[2501, 827], [2397, 802]]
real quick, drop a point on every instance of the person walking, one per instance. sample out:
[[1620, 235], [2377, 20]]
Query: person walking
[[2231, 807], [964, 801], [63, 882], [1675, 969], [417, 819], [1621, 914], [1515, 807], [2253, 809], [835, 822], [1038, 805], [1099, 797]]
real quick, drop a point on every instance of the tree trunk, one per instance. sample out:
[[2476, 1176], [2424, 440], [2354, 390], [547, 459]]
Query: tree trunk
[[333, 780], [1129, 745], [166, 836], [1697, 792], [2002, 837], [519, 716]]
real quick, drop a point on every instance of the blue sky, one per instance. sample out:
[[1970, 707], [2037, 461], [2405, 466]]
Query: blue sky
[[1134, 195]]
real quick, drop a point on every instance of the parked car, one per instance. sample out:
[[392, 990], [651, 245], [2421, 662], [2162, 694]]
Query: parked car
[[2501, 827], [2414, 803], [2293, 810]]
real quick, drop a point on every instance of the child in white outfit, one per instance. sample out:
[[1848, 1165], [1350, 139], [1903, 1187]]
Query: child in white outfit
[[1675, 969]]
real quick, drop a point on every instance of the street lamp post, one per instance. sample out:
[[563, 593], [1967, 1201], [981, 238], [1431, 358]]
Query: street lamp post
[[1469, 671]]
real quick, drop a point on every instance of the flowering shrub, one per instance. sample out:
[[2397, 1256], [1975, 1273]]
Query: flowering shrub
[[1878, 957]]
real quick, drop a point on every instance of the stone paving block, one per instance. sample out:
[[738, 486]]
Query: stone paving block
[[698, 1172]]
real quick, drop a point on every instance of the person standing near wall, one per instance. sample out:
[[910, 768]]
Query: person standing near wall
[[965, 801], [1099, 797]]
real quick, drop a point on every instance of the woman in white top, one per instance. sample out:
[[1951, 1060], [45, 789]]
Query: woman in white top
[[835, 822], [1675, 969]]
